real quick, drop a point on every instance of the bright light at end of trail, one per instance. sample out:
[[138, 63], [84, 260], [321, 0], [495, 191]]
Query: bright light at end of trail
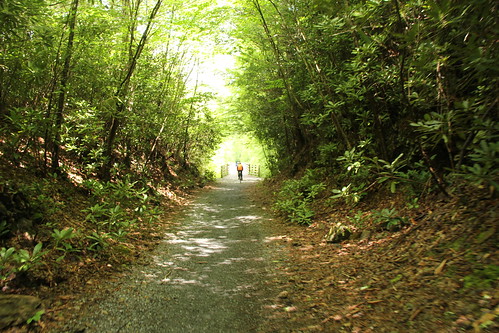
[[213, 73]]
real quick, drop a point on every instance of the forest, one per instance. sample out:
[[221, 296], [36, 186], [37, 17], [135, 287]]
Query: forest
[[387, 109]]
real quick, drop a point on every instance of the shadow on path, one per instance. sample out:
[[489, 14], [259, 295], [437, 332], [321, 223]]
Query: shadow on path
[[208, 275]]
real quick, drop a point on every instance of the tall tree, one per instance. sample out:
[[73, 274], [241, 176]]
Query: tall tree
[[384, 72], [122, 92], [63, 86]]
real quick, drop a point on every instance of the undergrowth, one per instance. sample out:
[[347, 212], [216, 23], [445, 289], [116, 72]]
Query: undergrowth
[[49, 224], [295, 197]]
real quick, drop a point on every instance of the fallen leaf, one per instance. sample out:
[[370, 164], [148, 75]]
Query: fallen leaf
[[415, 314], [375, 301], [463, 321], [357, 314], [66, 297], [335, 318], [352, 307], [283, 294], [440, 267]]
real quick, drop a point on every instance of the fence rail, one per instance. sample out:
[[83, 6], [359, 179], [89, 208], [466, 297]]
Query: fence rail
[[224, 170], [254, 170]]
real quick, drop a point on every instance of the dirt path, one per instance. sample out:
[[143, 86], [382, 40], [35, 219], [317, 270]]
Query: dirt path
[[210, 273]]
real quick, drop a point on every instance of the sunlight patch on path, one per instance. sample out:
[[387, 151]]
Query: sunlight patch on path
[[209, 274]]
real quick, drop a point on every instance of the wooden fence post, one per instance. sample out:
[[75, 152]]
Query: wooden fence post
[[254, 170], [224, 170]]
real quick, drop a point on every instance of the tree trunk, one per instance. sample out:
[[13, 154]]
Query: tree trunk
[[122, 94], [188, 122], [299, 140], [61, 100], [319, 78]]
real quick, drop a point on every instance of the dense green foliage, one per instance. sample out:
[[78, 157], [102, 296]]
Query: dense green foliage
[[99, 98], [347, 96], [393, 92], [296, 195], [106, 86]]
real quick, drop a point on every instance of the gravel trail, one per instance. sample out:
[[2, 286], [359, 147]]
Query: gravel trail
[[209, 274]]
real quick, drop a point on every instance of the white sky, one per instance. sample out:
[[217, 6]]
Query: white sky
[[213, 73]]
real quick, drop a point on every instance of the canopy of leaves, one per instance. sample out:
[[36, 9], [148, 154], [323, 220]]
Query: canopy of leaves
[[417, 78], [127, 100]]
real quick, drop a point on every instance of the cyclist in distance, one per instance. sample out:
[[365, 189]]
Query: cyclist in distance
[[240, 171]]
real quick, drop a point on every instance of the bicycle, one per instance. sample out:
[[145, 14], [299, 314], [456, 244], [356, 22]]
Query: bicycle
[[240, 176]]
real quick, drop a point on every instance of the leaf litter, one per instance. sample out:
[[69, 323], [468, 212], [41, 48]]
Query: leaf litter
[[412, 280]]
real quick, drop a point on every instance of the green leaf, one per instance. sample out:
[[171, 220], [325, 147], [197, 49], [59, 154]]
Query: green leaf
[[36, 317], [397, 278], [393, 186], [37, 249]]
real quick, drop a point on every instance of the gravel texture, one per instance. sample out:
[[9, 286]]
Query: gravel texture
[[209, 274]]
